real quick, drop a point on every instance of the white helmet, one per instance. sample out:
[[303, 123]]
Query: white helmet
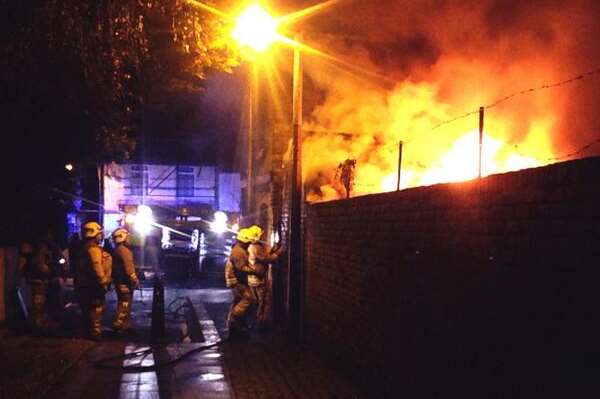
[[91, 230], [120, 235]]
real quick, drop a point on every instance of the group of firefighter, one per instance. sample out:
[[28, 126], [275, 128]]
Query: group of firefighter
[[94, 268], [97, 268], [247, 273]]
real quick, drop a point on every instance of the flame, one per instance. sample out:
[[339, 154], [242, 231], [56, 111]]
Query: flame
[[513, 138]]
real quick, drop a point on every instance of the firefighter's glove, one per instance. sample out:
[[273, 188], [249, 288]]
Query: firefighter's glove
[[135, 283], [280, 249]]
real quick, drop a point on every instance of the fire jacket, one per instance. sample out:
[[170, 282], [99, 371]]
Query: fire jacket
[[259, 257], [123, 271], [95, 267], [39, 264], [237, 267]]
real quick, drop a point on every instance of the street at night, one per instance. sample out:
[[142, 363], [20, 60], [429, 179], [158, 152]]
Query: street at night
[[273, 199]]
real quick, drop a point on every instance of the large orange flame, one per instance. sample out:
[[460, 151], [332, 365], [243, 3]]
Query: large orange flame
[[515, 137]]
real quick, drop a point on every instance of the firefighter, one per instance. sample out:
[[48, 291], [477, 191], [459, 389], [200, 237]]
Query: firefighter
[[92, 279], [237, 270], [260, 255], [36, 273], [58, 270], [125, 279], [39, 265]]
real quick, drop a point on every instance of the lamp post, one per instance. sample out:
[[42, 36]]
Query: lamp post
[[256, 29], [296, 270]]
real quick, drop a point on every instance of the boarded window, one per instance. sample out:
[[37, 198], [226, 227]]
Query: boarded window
[[138, 180], [185, 181]]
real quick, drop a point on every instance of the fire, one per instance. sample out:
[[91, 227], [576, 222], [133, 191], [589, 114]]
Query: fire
[[432, 64], [513, 139]]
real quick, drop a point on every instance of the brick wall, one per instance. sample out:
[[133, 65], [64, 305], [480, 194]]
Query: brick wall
[[488, 287]]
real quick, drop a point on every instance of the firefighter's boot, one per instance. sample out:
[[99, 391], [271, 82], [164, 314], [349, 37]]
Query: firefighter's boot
[[122, 320], [38, 306], [96, 313]]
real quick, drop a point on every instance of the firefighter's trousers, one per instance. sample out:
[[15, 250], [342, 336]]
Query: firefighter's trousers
[[261, 295], [39, 313], [92, 302], [243, 299], [123, 316]]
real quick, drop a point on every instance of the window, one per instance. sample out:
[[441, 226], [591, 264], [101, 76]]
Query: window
[[185, 181], [138, 180]]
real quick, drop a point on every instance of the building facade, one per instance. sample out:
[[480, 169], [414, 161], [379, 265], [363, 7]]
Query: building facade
[[193, 190]]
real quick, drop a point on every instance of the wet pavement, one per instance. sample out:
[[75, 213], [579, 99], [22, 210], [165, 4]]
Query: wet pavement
[[198, 375], [195, 317]]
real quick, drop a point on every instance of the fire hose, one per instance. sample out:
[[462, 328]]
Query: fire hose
[[106, 363]]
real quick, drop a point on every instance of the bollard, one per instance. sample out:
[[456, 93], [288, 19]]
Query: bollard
[[157, 332]]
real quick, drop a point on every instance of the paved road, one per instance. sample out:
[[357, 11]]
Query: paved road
[[262, 367]]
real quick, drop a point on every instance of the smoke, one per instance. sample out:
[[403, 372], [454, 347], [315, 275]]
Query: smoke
[[436, 60]]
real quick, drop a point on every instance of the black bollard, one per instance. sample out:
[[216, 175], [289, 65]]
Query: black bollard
[[157, 333]]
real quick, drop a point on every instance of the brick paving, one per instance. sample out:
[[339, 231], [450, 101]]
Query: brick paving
[[258, 367], [30, 366], [271, 368]]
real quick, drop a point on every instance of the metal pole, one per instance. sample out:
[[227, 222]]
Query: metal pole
[[250, 171], [295, 275], [480, 137], [101, 193], [399, 163]]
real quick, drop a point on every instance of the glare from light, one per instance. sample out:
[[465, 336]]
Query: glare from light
[[256, 29], [211, 376], [219, 225], [144, 219], [69, 167], [195, 239], [144, 210], [62, 261], [130, 218], [165, 240], [202, 244], [274, 239]]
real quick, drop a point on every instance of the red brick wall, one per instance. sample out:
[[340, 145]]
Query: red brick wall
[[486, 287]]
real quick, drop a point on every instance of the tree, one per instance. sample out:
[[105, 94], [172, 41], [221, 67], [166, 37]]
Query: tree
[[101, 59], [74, 75]]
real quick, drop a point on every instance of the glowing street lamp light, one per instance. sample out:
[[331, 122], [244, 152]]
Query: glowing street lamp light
[[255, 28]]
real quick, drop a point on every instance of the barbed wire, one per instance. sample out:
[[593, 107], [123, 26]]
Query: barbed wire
[[501, 100], [579, 151]]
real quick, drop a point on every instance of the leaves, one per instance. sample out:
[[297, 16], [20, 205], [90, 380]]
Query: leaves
[[117, 53]]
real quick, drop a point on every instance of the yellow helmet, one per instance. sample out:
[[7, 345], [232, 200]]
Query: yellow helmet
[[244, 235], [255, 232], [91, 230], [120, 235]]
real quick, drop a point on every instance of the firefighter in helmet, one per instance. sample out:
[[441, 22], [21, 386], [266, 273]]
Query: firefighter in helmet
[[260, 255], [124, 278], [237, 270], [92, 279]]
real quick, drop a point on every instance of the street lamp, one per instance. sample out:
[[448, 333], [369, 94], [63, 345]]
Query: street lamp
[[256, 29]]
